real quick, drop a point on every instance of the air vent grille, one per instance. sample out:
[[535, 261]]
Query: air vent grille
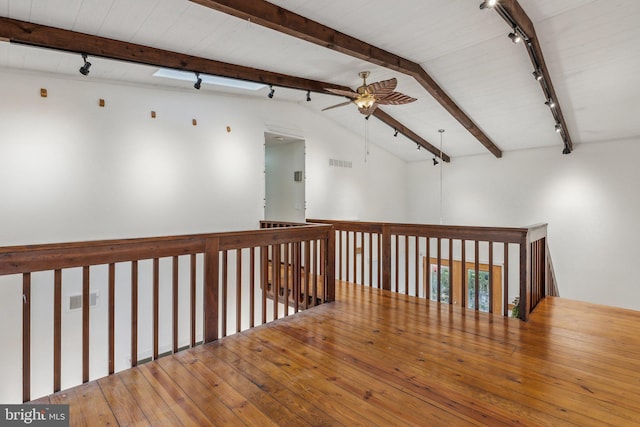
[[75, 301], [340, 163]]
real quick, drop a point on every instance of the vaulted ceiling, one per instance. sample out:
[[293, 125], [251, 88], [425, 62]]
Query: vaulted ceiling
[[590, 49]]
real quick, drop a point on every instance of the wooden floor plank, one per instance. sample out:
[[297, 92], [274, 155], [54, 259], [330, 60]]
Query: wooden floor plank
[[378, 358]]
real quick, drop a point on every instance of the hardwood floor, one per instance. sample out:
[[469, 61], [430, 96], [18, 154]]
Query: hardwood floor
[[377, 358]]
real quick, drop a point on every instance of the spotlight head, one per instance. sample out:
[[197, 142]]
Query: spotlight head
[[198, 82], [537, 75], [395, 132], [550, 103], [558, 128], [271, 91], [566, 150], [84, 70], [515, 36], [435, 161], [308, 95], [488, 4], [418, 145]]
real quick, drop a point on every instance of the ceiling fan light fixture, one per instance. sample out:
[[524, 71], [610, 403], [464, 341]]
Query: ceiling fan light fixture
[[365, 101]]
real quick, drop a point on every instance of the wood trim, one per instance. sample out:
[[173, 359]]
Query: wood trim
[[86, 325], [57, 330], [134, 313], [282, 20], [112, 317]]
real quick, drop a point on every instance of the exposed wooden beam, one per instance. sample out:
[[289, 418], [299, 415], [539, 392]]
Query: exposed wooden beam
[[70, 41], [287, 22], [514, 15]]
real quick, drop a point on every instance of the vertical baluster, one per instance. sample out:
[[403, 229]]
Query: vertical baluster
[[370, 259], [174, 299], [406, 265], [287, 268], [134, 313], [252, 286], [314, 277], [156, 303], [346, 257], [505, 274], [297, 271], [57, 330], [439, 274], [210, 299], [339, 254], [490, 277], [238, 289], [307, 274], [323, 272], [397, 263], [264, 260], [275, 278], [427, 284], [463, 275], [355, 259], [85, 323], [225, 278], [193, 299], [379, 260], [476, 290], [26, 337], [362, 254], [416, 258], [111, 314], [450, 271]]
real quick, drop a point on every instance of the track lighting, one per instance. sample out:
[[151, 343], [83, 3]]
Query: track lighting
[[550, 103], [566, 150], [537, 75], [271, 91], [395, 132], [515, 36], [558, 128], [488, 4], [308, 95], [84, 70], [435, 162], [198, 82], [418, 145]]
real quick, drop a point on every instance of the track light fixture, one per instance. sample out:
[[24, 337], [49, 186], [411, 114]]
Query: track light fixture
[[488, 4], [271, 91], [515, 36], [435, 162], [550, 103], [198, 82], [395, 132], [84, 70], [537, 75], [566, 150], [308, 96], [418, 145], [558, 128]]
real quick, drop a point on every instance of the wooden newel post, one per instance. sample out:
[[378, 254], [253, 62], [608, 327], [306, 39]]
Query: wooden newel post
[[211, 284], [386, 257], [330, 264]]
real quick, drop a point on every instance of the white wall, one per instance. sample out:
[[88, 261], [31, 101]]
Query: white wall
[[589, 199], [285, 199], [71, 171]]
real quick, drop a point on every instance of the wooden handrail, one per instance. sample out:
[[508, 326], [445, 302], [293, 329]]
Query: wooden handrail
[[313, 242]]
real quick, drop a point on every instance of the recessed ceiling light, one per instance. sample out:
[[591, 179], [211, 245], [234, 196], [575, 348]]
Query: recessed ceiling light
[[207, 79]]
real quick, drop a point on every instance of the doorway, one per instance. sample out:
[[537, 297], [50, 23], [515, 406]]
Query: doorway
[[284, 178]]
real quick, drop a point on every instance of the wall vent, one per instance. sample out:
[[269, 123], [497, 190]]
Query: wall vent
[[340, 163], [75, 301]]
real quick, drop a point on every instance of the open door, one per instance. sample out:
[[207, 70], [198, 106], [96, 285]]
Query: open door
[[284, 178]]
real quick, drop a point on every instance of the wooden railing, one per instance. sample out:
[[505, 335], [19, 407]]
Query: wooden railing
[[450, 264], [227, 275]]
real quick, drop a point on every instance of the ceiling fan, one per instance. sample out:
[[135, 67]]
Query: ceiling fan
[[368, 97]]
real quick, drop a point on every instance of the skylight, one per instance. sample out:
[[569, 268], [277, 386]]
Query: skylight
[[207, 79]]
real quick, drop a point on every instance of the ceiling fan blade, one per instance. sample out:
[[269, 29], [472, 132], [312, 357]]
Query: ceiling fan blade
[[396, 98], [336, 106], [347, 93], [383, 88], [368, 111]]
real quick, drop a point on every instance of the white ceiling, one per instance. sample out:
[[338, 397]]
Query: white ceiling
[[591, 49]]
